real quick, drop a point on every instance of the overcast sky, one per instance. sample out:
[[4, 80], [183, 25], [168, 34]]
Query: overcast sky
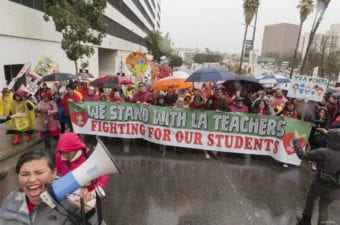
[[217, 24]]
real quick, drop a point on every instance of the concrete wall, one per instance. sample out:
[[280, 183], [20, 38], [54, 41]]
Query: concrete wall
[[26, 37]]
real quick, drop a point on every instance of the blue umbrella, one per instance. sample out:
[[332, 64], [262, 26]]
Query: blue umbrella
[[272, 79], [210, 74]]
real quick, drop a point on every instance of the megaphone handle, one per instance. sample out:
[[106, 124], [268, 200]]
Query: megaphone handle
[[82, 210], [99, 209]]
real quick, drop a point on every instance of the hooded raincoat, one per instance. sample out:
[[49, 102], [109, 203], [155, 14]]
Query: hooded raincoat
[[69, 142], [26, 106], [14, 211]]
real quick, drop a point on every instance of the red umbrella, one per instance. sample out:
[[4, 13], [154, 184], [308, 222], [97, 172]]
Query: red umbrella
[[107, 81], [123, 80]]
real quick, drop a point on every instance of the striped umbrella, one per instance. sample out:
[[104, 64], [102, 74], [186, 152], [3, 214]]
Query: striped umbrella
[[272, 79]]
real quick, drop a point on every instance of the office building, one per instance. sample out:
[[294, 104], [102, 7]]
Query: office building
[[279, 38], [26, 37]]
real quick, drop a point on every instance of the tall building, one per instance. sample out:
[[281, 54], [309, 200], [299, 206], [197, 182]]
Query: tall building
[[280, 38], [330, 41], [334, 30], [187, 54], [26, 37]]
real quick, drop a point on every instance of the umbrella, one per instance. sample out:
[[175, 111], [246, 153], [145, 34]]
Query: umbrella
[[180, 74], [210, 74], [284, 86], [58, 77], [171, 82], [336, 94], [272, 79], [247, 82], [107, 81], [330, 90], [85, 76], [123, 80]]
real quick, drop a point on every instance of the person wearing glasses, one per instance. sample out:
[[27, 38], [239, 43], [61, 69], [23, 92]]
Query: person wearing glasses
[[142, 96]]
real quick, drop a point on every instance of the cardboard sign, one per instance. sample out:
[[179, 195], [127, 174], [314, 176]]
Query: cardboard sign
[[308, 88]]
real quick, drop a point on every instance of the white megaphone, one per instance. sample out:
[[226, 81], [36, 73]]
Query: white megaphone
[[100, 162]]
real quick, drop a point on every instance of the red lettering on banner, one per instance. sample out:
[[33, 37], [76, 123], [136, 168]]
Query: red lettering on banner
[[142, 129], [106, 127], [158, 133], [134, 128], [150, 132], [238, 142], [258, 143], [198, 138], [93, 125], [210, 141], [121, 128], [189, 137], [166, 136], [179, 136], [247, 143], [243, 143], [268, 143], [219, 140], [276, 147], [113, 128]]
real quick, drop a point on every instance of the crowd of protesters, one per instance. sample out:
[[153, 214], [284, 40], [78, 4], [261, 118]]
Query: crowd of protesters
[[50, 106]]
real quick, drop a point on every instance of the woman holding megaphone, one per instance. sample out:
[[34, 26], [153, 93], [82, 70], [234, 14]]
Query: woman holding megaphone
[[36, 169]]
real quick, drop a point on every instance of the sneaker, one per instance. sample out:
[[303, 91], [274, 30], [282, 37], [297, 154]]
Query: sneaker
[[313, 166], [302, 220], [214, 155], [207, 156], [284, 165]]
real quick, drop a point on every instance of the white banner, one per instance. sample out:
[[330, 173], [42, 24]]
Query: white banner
[[308, 88]]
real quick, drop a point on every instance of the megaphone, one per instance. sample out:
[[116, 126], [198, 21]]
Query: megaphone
[[100, 162]]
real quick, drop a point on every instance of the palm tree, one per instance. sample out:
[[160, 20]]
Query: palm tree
[[321, 7], [305, 7], [249, 9]]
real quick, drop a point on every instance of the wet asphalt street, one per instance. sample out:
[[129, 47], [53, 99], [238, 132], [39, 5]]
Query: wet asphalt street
[[188, 189]]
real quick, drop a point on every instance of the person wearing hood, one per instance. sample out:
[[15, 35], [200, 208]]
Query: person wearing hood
[[71, 153], [238, 105], [48, 119], [187, 99], [6, 101], [22, 125], [326, 183], [198, 102]]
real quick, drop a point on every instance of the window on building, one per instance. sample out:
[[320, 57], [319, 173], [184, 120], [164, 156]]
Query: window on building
[[11, 71]]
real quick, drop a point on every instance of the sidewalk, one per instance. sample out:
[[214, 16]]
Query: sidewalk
[[8, 150]]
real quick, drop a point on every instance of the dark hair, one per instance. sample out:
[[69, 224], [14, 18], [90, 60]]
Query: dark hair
[[141, 84], [71, 86], [34, 155]]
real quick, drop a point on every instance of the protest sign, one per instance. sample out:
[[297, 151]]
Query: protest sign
[[196, 129], [308, 88], [45, 66], [22, 72]]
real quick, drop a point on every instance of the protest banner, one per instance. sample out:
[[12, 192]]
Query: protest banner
[[205, 130], [308, 88]]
